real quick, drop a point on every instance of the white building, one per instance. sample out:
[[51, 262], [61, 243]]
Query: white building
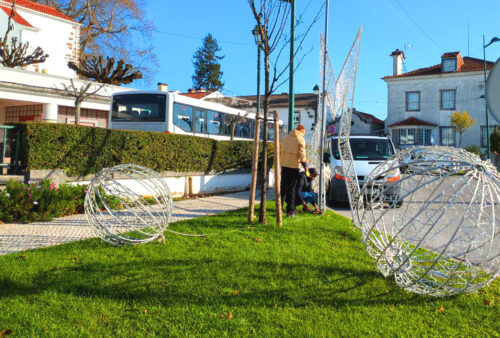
[[420, 102], [35, 92], [362, 124]]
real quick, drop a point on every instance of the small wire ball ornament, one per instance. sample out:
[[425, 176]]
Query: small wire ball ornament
[[428, 217], [128, 204]]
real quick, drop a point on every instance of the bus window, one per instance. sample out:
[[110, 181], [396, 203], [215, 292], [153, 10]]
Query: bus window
[[183, 117], [138, 107], [244, 129], [214, 122], [200, 121], [270, 131]]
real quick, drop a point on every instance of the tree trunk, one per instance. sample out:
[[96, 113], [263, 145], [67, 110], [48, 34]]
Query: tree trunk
[[263, 197], [233, 127], [255, 161], [78, 105], [277, 169]]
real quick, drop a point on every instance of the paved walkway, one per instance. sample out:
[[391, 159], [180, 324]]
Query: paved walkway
[[15, 237]]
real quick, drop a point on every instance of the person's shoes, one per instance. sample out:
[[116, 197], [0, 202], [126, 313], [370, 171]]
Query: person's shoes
[[291, 214]]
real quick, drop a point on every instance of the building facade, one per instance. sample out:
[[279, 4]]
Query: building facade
[[36, 92], [362, 124], [420, 102]]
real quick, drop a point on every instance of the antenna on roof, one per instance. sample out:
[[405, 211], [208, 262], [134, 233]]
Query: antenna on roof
[[406, 47]]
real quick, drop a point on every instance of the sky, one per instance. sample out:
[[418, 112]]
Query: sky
[[424, 29]]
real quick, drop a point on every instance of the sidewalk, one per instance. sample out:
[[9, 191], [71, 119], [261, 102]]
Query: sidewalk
[[15, 237]]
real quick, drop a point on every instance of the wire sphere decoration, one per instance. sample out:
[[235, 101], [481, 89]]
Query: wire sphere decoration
[[428, 217], [128, 204]]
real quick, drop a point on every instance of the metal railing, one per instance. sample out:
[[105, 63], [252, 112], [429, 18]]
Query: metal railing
[[14, 160]]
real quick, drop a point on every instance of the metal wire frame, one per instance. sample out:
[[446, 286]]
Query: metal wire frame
[[434, 229], [144, 209]]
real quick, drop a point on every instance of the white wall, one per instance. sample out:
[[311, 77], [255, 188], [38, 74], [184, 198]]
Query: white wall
[[469, 87], [306, 118], [57, 37], [207, 184]]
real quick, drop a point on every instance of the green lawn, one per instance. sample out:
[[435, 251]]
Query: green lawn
[[312, 277]]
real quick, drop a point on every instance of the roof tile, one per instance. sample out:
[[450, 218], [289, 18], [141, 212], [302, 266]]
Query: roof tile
[[41, 8], [412, 121], [469, 65], [16, 17]]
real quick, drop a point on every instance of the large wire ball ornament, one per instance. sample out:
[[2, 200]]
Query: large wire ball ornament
[[428, 217], [128, 204]]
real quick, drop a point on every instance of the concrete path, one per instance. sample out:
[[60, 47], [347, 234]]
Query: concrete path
[[15, 237]]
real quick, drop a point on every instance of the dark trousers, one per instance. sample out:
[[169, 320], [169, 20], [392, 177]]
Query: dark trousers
[[289, 177]]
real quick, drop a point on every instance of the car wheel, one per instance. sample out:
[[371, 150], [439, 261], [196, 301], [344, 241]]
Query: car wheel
[[399, 204]]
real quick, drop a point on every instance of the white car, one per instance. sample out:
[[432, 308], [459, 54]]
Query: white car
[[368, 152]]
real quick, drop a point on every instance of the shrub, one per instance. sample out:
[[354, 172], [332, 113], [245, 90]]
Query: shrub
[[474, 149], [495, 140], [42, 201], [81, 150]]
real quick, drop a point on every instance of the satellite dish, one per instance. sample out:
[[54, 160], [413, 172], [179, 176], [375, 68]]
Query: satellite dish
[[493, 91]]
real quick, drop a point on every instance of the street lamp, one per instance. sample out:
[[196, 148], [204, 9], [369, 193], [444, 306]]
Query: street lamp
[[256, 32], [291, 96], [495, 39], [258, 40]]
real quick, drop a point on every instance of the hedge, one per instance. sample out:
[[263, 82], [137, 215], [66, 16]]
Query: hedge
[[81, 150]]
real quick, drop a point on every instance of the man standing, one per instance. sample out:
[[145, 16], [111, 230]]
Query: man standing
[[293, 154]]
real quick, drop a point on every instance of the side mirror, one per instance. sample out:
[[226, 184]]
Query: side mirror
[[326, 157]]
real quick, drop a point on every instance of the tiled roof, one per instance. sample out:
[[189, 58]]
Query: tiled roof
[[469, 65], [371, 118], [412, 121], [197, 95], [309, 100], [450, 55], [16, 17], [40, 8]]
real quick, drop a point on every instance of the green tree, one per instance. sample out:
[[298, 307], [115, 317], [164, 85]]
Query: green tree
[[461, 122], [207, 73]]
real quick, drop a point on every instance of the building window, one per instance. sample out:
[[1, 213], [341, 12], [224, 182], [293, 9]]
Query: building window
[[412, 101], [406, 136], [448, 99], [484, 141], [296, 118], [395, 136], [449, 65], [423, 137], [447, 136], [412, 136]]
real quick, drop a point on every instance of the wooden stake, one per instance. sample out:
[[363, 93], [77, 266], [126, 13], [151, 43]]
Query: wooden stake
[[255, 161], [277, 170]]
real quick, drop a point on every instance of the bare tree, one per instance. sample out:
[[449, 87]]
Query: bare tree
[[80, 94], [272, 17], [233, 121], [117, 28], [96, 68], [16, 53]]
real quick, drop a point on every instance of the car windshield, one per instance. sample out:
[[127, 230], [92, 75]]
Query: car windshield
[[367, 149]]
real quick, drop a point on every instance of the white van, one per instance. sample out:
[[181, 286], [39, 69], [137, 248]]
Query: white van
[[368, 152]]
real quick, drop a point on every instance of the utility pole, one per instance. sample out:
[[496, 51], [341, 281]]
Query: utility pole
[[291, 96]]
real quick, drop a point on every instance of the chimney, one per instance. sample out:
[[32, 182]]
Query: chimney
[[397, 63], [162, 87], [190, 90], [202, 90]]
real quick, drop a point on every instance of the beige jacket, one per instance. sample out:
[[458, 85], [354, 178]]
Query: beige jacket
[[293, 150]]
